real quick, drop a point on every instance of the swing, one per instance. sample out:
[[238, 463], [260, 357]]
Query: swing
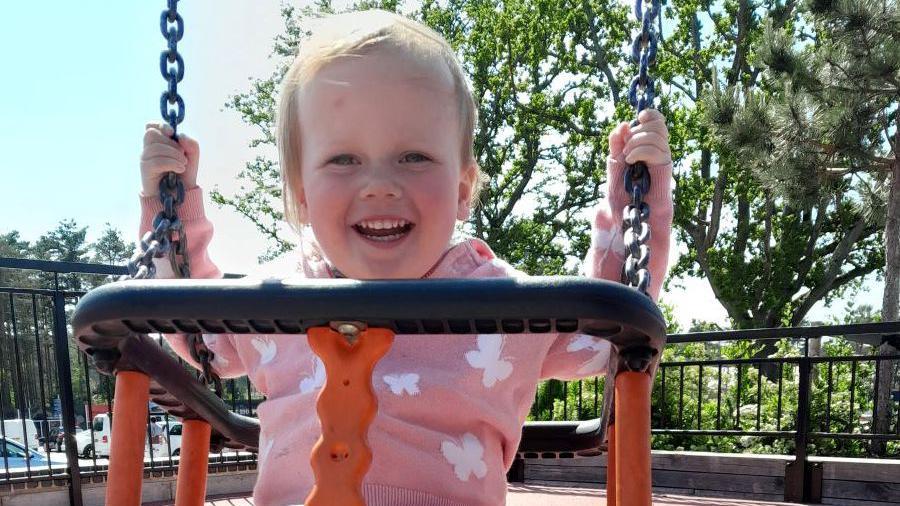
[[350, 325]]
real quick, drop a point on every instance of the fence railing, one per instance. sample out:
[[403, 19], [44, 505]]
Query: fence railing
[[48, 387], [822, 391], [809, 391]]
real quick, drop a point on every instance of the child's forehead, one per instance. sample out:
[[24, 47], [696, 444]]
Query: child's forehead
[[385, 66]]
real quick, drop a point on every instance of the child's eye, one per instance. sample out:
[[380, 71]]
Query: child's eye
[[342, 160], [414, 158]]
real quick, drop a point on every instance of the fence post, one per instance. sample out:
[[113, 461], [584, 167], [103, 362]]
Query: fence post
[[802, 480], [64, 374]]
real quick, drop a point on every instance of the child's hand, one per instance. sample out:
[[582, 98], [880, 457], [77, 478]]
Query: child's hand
[[647, 142], [162, 154]]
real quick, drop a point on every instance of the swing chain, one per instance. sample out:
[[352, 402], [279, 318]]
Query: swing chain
[[175, 74], [203, 356], [160, 241], [641, 93]]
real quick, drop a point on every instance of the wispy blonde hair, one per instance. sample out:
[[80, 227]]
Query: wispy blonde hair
[[353, 34]]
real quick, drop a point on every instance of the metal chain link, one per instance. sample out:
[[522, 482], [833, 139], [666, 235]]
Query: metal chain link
[[167, 237], [636, 214]]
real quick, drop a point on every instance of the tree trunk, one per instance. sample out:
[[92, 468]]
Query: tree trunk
[[889, 306]]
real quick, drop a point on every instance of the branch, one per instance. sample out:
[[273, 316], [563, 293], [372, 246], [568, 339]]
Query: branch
[[834, 267], [716, 214]]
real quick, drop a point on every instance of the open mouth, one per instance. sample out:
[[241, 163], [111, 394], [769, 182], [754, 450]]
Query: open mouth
[[384, 230]]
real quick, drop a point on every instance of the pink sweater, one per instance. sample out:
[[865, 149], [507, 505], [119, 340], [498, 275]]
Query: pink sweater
[[450, 408]]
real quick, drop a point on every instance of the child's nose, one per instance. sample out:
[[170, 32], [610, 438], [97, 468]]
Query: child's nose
[[381, 186]]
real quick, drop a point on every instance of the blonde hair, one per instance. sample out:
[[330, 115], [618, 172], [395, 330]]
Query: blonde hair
[[353, 34]]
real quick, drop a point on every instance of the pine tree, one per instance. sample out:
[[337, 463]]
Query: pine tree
[[825, 128]]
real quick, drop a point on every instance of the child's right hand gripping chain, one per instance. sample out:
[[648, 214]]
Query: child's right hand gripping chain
[[162, 154]]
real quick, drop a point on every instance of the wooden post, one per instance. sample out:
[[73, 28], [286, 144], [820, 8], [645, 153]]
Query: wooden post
[[633, 483], [129, 433], [193, 465], [346, 406]]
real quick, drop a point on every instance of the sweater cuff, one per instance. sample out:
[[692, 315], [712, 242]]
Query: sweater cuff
[[190, 209], [660, 183]]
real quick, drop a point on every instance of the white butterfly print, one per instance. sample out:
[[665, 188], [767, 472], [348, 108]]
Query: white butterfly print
[[399, 383], [585, 342], [599, 362], [467, 458], [265, 447], [212, 341], [316, 379], [605, 241], [487, 357], [267, 349], [220, 360]]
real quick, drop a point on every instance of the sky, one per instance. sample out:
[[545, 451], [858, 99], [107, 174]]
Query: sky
[[83, 82]]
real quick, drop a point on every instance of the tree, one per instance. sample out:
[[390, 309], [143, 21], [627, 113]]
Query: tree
[[833, 114], [65, 243], [767, 262], [111, 248]]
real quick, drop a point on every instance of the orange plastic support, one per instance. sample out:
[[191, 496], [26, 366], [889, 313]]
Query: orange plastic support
[[346, 407], [611, 466], [129, 428], [193, 466], [633, 483]]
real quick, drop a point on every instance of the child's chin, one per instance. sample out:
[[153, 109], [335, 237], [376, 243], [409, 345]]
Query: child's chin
[[400, 270]]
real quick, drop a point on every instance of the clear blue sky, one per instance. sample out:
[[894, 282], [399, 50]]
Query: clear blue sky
[[79, 81]]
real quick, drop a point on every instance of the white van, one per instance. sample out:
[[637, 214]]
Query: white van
[[102, 439], [22, 430]]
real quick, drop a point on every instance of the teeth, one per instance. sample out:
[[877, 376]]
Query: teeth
[[381, 224], [385, 238]]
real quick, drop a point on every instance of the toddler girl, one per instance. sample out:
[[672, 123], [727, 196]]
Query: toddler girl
[[375, 131]]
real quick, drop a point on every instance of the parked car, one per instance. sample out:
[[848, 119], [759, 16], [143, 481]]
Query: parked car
[[174, 439], [15, 458], [22, 430], [101, 430]]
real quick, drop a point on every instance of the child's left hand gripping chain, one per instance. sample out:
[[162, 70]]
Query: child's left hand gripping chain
[[647, 142]]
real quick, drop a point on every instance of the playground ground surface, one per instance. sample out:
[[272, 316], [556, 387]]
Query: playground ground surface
[[545, 495]]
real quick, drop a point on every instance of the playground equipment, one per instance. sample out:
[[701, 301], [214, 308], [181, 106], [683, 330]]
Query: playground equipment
[[350, 325]]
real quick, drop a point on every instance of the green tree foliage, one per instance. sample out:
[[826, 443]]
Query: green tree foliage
[[111, 247], [768, 260], [821, 135], [28, 369]]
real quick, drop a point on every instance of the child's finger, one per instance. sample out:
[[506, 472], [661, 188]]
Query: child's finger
[[158, 149], [617, 139], [648, 115], [190, 146], [652, 126], [154, 168], [156, 136], [650, 154], [161, 126], [645, 138]]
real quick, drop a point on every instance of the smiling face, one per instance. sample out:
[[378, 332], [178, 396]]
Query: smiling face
[[383, 177]]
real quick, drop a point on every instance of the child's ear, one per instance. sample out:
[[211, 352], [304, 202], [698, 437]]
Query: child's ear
[[468, 183]]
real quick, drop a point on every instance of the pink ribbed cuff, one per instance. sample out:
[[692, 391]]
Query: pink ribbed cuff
[[190, 209]]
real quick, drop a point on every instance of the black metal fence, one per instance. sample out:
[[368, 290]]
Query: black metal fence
[[806, 391], [51, 397], [813, 392]]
